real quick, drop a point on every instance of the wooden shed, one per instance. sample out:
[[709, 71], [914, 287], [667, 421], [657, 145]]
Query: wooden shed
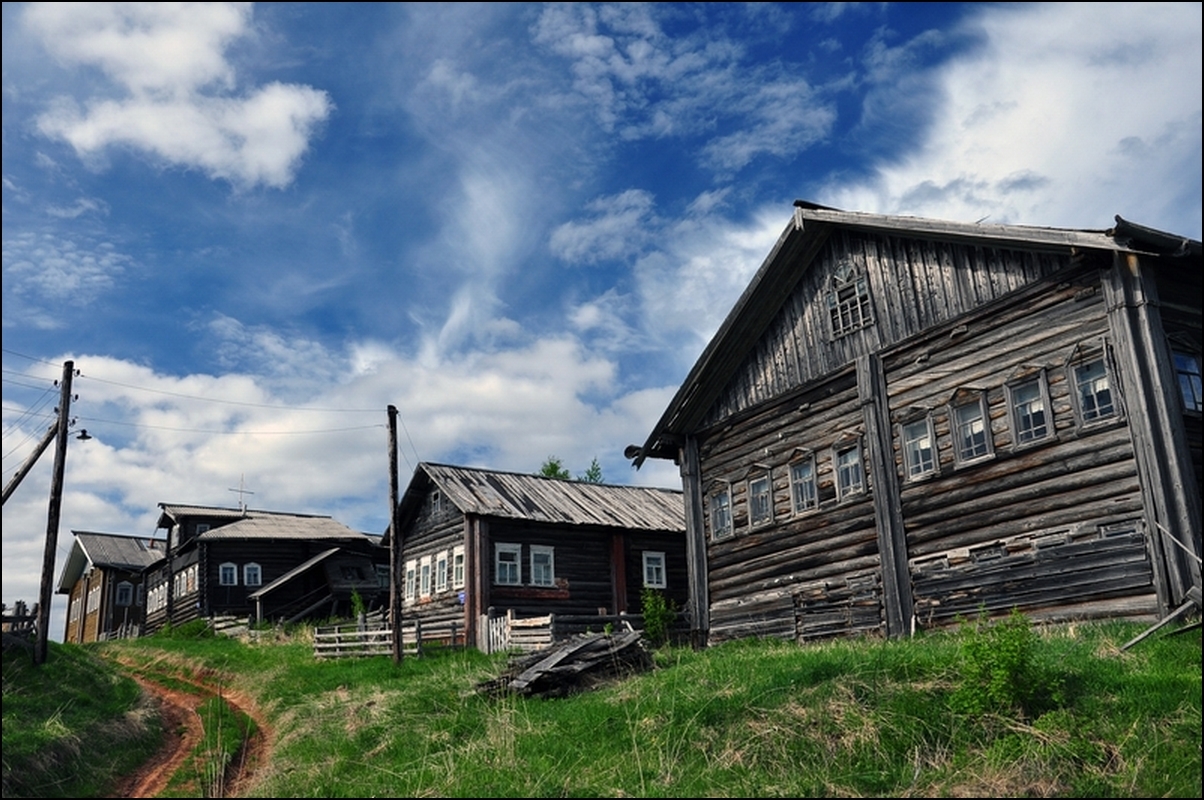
[[476, 542], [903, 421], [267, 565]]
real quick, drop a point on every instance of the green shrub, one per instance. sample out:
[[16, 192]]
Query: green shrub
[[659, 613], [1000, 673]]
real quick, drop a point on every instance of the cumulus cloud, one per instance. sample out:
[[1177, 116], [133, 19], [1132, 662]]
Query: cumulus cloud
[[178, 99], [1059, 118]]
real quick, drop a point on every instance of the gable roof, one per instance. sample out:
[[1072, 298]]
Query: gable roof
[[252, 523], [107, 551], [793, 254], [514, 495]]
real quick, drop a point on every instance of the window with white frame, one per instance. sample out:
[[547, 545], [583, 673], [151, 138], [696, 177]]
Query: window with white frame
[[1187, 370], [411, 585], [252, 575], [1029, 406], [971, 429], [760, 500], [227, 575], [654, 569], [424, 576], [125, 593], [508, 564], [441, 571], [543, 567], [721, 513], [458, 567], [1093, 391], [804, 494], [919, 450], [850, 478]]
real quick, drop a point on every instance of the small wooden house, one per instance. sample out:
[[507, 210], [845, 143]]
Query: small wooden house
[[103, 581], [263, 565], [903, 421], [476, 542]]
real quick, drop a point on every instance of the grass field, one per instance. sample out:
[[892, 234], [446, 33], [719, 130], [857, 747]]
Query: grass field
[[990, 710]]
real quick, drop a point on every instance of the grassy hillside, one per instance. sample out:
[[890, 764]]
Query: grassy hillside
[[990, 710]]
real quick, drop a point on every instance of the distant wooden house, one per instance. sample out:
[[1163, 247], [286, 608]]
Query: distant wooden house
[[263, 565], [906, 420], [103, 581], [476, 542]]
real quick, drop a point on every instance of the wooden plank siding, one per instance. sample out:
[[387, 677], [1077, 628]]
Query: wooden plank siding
[[914, 286]]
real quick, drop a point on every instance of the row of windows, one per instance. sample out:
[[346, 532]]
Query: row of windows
[[434, 574], [227, 574], [970, 427], [431, 575], [804, 489], [1029, 411]]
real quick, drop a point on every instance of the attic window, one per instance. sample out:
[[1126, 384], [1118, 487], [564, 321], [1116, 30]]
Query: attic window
[[848, 301]]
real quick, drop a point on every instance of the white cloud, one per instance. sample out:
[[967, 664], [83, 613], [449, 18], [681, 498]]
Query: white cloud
[[1065, 116], [641, 83], [619, 228], [170, 61], [60, 270]]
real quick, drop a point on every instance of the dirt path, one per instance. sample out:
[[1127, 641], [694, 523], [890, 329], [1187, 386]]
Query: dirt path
[[183, 731]]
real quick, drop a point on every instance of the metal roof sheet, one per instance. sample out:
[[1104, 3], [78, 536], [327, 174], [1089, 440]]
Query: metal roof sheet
[[281, 526], [512, 495], [107, 551]]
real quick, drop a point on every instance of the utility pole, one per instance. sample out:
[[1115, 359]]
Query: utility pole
[[52, 518], [395, 570]]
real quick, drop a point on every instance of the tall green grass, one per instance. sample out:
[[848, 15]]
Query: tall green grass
[[917, 717]]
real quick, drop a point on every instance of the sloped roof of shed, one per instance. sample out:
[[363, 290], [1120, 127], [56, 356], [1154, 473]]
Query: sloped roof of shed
[[513, 495], [107, 550], [793, 253]]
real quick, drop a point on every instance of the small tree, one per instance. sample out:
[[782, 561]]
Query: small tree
[[552, 468], [593, 474]]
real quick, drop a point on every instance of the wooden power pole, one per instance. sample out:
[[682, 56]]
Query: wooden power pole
[[41, 645], [395, 569]]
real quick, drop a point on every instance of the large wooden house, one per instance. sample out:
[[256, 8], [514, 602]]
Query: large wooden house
[[261, 565], [903, 421], [103, 581], [477, 542]]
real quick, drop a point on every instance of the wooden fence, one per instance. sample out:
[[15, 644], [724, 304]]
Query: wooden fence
[[375, 638]]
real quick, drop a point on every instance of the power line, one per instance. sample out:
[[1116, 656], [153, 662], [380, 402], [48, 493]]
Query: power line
[[233, 402], [227, 433]]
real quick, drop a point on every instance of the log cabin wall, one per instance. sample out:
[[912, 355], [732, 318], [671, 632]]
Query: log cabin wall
[[808, 571], [635, 544], [1054, 526], [1179, 292], [438, 528], [582, 579]]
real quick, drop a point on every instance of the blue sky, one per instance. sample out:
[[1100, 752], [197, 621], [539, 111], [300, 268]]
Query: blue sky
[[254, 227]]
